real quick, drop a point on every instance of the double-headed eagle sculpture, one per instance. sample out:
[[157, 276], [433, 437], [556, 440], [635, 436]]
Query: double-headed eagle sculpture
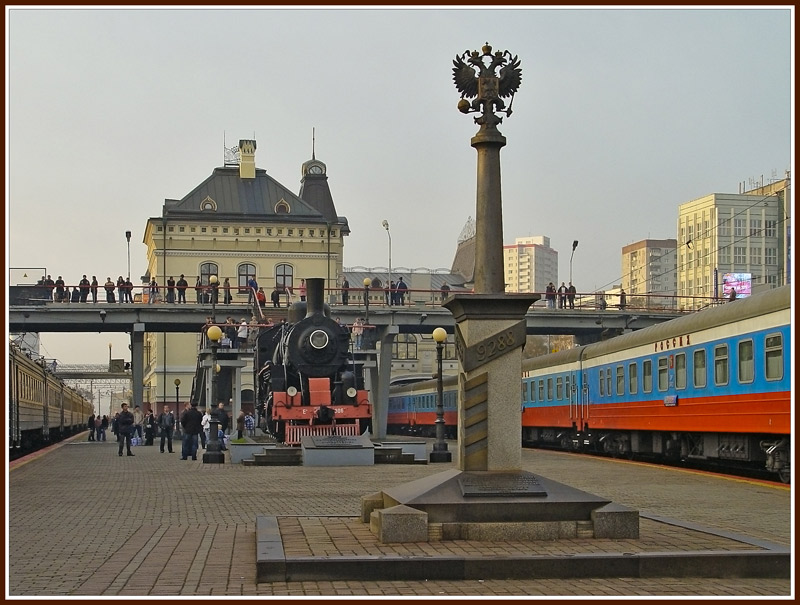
[[487, 89]]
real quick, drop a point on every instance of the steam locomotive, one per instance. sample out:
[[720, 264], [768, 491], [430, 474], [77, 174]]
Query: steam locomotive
[[308, 381]]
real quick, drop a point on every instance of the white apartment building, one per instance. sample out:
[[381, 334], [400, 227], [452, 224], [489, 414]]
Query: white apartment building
[[725, 233], [530, 264], [649, 270]]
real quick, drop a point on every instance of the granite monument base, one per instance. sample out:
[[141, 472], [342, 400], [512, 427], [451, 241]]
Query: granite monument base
[[486, 505], [336, 450]]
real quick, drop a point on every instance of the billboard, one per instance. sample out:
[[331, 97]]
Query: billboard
[[741, 282]]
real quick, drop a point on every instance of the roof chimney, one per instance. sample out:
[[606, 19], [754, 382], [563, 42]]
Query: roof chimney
[[247, 161]]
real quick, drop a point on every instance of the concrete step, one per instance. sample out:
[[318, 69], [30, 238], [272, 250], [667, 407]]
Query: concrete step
[[283, 456], [393, 455]]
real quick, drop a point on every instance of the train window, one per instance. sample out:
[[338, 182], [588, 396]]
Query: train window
[[663, 373], [549, 389], [566, 386], [541, 390], [774, 356], [699, 358], [620, 380], [608, 381], [746, 361], [680, 370], [559, 388], [633, 378], [602, 385], [525, 390], [721, 365]]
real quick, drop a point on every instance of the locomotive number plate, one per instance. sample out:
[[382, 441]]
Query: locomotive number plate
[[500, 485]]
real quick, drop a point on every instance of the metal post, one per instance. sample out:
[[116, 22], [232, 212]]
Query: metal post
[[389, 283], [128, 237], [212, 281], [439, 453], [574, 245], [367, 281], [213, 452]]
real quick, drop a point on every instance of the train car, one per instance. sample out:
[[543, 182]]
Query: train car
[[713, 386], [309, 383], [42, 409], [412, 408]]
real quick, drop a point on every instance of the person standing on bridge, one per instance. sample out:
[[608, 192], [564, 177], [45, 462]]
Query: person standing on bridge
[[109, 288], [84, 287], [252, 288], [94, 289], [562, 296], [121, 289], [182, 285], [59, 289], [171, 290], [345, 291], [571, 295], [622, 299], [129, 289]]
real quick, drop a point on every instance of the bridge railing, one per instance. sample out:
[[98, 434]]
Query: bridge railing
[[378, 298]]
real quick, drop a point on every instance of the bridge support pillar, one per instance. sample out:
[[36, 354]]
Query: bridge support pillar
[[137, 363], [380, 414]]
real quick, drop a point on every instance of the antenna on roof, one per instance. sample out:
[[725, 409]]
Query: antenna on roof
[[313, 143]]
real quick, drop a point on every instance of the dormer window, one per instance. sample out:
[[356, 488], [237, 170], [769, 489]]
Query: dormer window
[[208, 205], [282, 207]]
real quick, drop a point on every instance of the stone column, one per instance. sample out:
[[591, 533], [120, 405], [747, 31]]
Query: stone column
[[490, 335]]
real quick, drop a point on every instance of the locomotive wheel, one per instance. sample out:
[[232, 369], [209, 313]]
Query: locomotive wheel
[[785, 474]]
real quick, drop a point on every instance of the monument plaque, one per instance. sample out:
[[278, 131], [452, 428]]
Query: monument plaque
[[336, 441], [500, 484]]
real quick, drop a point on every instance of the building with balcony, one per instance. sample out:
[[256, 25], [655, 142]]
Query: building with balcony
[[530, 264]]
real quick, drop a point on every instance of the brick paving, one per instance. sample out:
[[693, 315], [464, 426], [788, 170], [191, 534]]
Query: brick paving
[[84, 522]]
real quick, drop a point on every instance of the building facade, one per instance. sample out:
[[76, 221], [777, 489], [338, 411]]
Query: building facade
[[530, 264], [723, 234], [649, 275], [239, 223]]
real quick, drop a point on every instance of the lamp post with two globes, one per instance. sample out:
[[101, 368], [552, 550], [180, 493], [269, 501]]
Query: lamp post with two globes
[[367, 282], [385, 225]]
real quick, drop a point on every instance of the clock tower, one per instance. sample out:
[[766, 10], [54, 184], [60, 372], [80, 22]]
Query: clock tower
[[314, 188]]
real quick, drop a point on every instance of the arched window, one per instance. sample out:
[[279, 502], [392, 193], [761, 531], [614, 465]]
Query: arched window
[[282, 207], [246, 271], [284, 276], [206, 271], [404, 346]]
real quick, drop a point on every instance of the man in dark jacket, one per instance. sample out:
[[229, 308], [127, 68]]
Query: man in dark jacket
[[192, 423], [124, 429], [166, 424]]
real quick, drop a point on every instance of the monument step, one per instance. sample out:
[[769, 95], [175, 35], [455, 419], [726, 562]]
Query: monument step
[[276, 457]]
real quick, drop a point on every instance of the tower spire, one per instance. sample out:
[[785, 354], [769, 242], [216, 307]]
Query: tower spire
[[313, 143]]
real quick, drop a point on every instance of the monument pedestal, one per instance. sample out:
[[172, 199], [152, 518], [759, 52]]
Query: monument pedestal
[[337, 450]]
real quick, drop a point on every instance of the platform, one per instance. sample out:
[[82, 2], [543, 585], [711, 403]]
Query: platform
[[84, 522]]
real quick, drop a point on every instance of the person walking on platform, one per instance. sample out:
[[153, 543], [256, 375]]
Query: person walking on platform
[[166, 425], [103, 428], [125, 429], [90, 426], [191, 422], [138, 417], [240, 424], [206, 424], [149, 427], [181, 285], [98, 427], [222, 417]]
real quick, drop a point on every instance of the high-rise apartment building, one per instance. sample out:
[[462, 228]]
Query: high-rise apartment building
[[722, 234], [530, 264], [648, 272]]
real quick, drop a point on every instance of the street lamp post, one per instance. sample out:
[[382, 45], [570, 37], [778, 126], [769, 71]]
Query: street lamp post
[[367, 282], [128, 237], [109, 357], [213, 454], [212, 281], [389, 283], [178, 404], [439, 453], [574, 245]]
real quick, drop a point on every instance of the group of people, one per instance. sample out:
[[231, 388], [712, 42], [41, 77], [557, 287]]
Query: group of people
[[565, 295], [195, 425], [97, 426]]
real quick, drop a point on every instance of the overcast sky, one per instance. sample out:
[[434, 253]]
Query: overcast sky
[[622, 115]]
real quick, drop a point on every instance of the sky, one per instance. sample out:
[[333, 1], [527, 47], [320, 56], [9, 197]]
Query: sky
[[623, 114]]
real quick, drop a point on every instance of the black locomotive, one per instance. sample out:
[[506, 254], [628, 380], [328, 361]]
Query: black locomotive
[[309, 383]]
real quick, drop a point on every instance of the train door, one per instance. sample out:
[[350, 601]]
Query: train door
[[583, 416]]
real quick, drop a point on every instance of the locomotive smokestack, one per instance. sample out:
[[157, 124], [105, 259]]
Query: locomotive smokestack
[[315, 296]]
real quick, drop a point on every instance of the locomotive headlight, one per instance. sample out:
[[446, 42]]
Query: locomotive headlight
[[318, 339], [291, 391], [351, 392]]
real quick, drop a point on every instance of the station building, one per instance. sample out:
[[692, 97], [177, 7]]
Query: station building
[[239, 223]]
